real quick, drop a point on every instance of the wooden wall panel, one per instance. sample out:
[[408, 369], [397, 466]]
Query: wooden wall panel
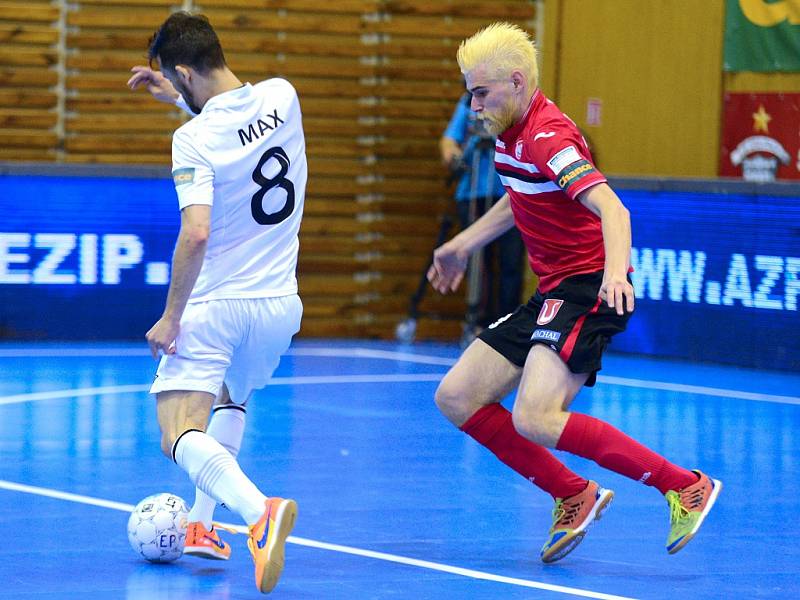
[[28, 76], [104, 121], [22, 33], [27, 98], [36, 11]]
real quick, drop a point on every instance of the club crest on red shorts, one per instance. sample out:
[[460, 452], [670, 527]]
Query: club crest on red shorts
[[549, 311]]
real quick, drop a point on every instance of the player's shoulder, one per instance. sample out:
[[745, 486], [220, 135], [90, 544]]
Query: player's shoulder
[[186, 132], [550, 122], [275, 85], [190, 140], [547, 132]]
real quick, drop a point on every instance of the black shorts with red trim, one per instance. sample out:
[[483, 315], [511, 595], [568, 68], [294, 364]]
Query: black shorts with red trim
[[571, 319]]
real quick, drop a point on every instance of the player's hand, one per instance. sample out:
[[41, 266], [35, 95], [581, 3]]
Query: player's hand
[[161, 337], [448, 268], [158, 85], [452, 156], [617, 292], [450, 150]]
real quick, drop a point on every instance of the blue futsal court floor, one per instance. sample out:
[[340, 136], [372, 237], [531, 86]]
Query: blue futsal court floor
[[394, 502]]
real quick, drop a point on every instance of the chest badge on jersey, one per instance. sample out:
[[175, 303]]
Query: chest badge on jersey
[[518, 149], [549, 311]]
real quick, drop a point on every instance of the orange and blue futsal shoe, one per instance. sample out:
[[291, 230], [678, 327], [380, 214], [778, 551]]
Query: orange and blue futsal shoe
[[268, 540], [203, 543], [688, 508], [571, 519]]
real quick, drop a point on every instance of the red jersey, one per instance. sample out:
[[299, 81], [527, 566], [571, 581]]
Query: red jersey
[[544, 163]]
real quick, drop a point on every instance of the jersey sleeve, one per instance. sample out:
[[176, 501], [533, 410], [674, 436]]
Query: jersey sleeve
[[560, 153], [192, 174]]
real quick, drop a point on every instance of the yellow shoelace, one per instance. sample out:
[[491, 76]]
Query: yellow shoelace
[[558, 511], [677, 511]]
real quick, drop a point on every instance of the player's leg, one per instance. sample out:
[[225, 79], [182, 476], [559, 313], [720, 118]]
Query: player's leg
[[186, 385], [272, 322], [182, 416], [469, 396], [210, 334], [577, 333], [546, 387], [689, 494], [227, 427], [216, 472]]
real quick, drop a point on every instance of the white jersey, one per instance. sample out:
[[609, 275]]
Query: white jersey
[[244, 155]]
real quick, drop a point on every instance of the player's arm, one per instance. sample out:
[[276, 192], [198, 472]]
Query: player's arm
[[616, 223], [187, 260], [450, 259], [158, 85], [450, 143], [449, 150]]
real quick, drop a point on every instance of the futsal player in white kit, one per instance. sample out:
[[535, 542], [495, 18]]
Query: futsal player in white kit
[[239, 169]]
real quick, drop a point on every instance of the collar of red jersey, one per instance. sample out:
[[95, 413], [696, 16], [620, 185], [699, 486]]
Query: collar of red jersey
[[517, 127]]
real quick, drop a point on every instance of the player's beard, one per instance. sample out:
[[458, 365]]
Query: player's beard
[[188, 98], [496, 122]]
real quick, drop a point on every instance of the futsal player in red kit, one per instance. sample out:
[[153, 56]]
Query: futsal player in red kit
[[578, 237]]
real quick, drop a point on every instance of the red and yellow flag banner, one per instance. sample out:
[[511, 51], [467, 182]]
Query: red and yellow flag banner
[[761, 137]]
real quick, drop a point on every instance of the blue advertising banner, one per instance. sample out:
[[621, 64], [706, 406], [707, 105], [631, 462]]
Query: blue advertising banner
[[717, 274], [717, 277], [84, 257]]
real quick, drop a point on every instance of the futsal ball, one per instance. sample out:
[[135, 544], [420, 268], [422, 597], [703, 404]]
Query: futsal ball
[[157, 527]]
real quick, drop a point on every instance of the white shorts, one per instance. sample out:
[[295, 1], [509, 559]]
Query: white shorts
[[239, 341]]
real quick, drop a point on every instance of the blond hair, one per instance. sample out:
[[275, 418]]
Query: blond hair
[[503, 48]]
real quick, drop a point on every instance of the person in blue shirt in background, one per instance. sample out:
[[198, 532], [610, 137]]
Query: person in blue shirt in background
[[462, 140]]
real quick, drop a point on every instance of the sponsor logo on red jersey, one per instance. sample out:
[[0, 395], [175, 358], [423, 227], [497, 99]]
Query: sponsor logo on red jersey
[[549, 311]]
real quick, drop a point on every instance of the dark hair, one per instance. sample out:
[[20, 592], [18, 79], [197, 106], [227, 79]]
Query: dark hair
[[186, 39]]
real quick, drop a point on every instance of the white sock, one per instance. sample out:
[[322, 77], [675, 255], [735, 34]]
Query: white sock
[[216, 472], [226, 426]]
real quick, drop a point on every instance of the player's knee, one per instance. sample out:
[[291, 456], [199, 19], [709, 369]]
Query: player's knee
[[450, 399], [170, 437], [443, 396], [167, 441], [533, 425]]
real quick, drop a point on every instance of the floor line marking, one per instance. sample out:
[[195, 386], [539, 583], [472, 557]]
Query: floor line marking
[[697, 389], [13, 486], [423, 359], [606, 379], [395, 558], [144, 351], [73, 393], [407, 378], [301, 380], [431, 360]]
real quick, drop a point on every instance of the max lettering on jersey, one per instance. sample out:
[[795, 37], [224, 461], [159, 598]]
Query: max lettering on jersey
[[255, 130]]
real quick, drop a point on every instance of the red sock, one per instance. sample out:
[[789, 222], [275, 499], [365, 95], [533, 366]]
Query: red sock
[[612, 449], [492, 426]]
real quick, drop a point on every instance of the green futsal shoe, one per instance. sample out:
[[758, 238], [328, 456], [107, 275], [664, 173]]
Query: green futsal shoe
[[688, 508]]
